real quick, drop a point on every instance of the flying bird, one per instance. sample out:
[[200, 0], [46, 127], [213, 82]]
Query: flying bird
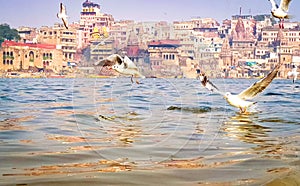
[[281, 11], [63, 15], [241, 100], [293, 73], [122, 65]]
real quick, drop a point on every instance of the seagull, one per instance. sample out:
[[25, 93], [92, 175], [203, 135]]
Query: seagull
[[123, 65], [293, 73], [241, 100], [63, 15], [280, 12]]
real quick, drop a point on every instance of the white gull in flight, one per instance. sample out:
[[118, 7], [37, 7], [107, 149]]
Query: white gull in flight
[[63, 15], [281, 11], [241, 100], [123, 65]]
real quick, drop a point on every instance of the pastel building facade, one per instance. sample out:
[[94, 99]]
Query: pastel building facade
[[91, 17], [64, 39], [30, 56]]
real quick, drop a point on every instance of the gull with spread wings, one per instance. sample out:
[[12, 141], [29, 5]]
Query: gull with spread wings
[[63, 15], [241, 100], [123, 65], [281, 11]]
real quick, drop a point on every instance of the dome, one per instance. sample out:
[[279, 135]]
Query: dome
[[88, 3]]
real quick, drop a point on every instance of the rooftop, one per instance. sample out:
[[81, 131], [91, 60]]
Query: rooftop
[[165, 43], [7, 43]]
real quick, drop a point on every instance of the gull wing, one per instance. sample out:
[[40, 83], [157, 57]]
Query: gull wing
[[65, 21], [62, 9], [274, 5], [209, 85], [110, 60], [284, 5], [104, 62], [129, 64], [260, 85]]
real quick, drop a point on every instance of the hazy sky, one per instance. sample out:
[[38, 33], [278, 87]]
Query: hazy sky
[[36, 13]]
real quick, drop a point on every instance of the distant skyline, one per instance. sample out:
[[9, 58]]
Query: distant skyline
[[37, 13]]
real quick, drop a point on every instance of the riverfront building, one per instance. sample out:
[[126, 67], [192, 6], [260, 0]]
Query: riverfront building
[[30, 56]]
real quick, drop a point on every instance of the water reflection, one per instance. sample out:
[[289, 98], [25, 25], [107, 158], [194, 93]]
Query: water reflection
[[245, 128], [55, 128], [124, 129]]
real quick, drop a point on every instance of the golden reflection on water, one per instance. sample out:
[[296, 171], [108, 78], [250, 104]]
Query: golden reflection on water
[[244, 127], [75, 168], [14, 123], [122, 127]]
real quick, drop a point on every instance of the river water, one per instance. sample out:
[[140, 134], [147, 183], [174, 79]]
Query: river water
[[159, 132]]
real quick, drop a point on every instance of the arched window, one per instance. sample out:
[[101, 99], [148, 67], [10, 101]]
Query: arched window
[[11, 62], [31, 56], [11, 54]]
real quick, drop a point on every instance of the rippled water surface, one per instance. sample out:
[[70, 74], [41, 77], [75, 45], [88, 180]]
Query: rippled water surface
[[162, 131]]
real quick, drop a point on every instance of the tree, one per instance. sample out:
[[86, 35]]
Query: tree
[[6, 33]]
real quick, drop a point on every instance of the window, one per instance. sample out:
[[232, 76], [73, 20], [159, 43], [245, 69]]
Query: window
[[31, 56]]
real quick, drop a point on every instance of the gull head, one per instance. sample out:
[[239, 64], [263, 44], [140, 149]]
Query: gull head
[[115, 67], [227, 95]]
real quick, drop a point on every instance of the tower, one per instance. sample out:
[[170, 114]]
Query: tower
[[91, 17], [225, 54]]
